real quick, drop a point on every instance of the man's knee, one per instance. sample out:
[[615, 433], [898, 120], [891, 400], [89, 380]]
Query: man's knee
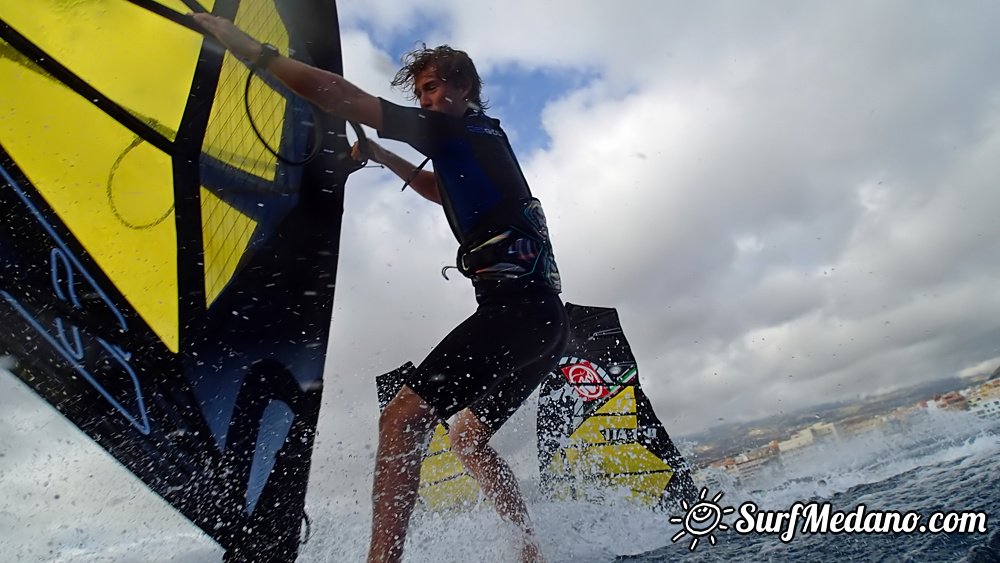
[[468, 434], [406, 412]]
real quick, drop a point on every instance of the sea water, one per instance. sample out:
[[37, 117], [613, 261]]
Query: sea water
[[948, 461], [942, 462]]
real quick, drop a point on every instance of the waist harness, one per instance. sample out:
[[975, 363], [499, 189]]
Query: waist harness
[[510, 243]]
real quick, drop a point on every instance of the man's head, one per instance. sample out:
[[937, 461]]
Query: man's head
[[441, 79]]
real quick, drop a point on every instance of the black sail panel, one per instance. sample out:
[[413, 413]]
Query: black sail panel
[[165, 281]]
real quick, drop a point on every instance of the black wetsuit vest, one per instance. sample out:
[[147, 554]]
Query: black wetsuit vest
[[500, 227]]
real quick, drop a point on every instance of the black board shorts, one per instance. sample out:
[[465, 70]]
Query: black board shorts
[[495, 359]]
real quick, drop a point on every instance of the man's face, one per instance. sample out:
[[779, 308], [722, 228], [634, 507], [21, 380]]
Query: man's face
[[439, 95]]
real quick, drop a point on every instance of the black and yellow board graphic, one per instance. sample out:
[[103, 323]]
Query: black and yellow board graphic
[[165, 281], [598, 436]]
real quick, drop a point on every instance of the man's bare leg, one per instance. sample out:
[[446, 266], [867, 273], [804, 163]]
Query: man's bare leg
[[403, 429], [469, 439]]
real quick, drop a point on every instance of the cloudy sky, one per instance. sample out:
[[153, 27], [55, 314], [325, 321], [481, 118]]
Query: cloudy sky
[[788, 203]]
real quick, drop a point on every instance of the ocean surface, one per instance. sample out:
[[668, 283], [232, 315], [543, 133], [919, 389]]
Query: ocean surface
[[943, 464], [940, 462], [65, 501]]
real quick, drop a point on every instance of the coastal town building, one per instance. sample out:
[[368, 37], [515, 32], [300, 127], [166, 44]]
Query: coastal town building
[[984, 400], [749, 466]]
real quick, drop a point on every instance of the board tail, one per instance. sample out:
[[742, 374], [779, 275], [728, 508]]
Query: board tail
[[598, 434]]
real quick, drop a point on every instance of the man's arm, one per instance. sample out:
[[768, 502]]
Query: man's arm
[[329, 91], [424, 183]]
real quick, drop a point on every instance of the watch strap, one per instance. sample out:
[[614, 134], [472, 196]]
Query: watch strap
[[268, 53]]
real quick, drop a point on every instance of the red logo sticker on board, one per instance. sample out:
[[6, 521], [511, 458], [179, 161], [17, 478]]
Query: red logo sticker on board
[[584, 373]]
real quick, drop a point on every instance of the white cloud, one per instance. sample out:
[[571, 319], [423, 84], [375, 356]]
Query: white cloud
[[858, 159]]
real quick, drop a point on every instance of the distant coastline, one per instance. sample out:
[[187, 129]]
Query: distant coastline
[[750, 442]]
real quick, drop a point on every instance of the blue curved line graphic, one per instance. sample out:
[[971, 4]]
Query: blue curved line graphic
[[73, 354], [141, 425], [62, 245], [123, 358], [76, 351], [56, 257]]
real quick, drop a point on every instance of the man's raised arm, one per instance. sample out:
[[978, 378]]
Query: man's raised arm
[[328, 90]]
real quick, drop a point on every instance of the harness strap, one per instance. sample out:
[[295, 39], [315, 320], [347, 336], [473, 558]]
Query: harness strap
[[519, 247]]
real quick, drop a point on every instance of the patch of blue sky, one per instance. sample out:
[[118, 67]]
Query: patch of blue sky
[[517, 96], [422, 29]]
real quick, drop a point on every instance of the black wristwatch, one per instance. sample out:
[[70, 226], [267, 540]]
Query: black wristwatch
[[268, 53]]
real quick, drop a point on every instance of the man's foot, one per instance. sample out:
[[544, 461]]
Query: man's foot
[[529, 551]]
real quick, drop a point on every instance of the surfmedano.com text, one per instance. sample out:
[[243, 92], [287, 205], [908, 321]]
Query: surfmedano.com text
[[820, 518]]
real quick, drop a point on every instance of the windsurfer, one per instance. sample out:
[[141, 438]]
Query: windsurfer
[[487, 366]]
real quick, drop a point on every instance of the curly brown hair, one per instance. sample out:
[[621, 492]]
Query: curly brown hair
[[451, 64]]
